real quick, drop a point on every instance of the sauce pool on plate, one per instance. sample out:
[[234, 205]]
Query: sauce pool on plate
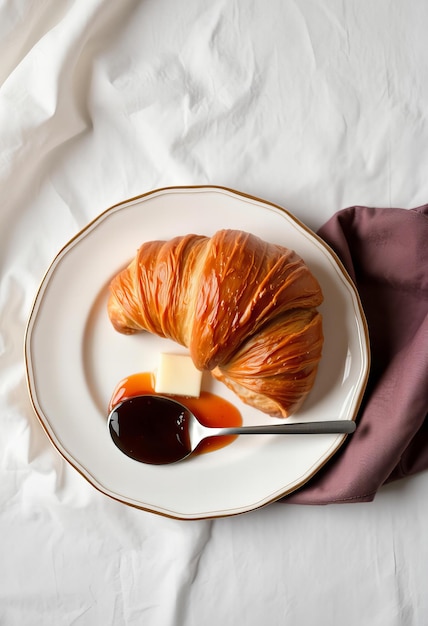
[[210, 409]]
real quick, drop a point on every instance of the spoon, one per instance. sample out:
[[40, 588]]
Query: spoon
[[159, 430]]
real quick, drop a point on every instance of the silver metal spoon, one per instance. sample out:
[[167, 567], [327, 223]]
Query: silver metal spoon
[[159, 430]]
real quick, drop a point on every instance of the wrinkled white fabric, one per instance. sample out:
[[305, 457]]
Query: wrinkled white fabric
[[312, 105]]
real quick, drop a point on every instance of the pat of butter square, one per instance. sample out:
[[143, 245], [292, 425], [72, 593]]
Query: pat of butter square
[[177, 375]]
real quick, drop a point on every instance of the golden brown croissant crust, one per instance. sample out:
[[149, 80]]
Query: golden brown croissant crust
[[245, 309]]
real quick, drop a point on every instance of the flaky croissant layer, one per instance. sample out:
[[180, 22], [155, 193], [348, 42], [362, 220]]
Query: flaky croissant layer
[[245, 309]]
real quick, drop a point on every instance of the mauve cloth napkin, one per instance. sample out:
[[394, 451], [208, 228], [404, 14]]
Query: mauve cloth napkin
[[385, 251]]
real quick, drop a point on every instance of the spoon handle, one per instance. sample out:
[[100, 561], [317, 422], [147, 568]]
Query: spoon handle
[[301, 428]]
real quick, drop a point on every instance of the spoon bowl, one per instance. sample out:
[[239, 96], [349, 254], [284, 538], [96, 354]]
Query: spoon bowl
[[159, 430]]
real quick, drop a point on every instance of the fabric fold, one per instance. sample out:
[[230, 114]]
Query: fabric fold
[[385, 252]]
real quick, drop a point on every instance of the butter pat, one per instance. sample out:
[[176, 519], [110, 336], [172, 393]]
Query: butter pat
[[177, 375]]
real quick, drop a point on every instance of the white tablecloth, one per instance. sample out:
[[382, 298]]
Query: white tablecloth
[[312, 105]]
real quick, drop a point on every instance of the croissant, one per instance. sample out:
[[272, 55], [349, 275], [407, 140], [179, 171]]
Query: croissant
[[245, 309]]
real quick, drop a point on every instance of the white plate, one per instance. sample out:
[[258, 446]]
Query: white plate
[[75, 358]]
